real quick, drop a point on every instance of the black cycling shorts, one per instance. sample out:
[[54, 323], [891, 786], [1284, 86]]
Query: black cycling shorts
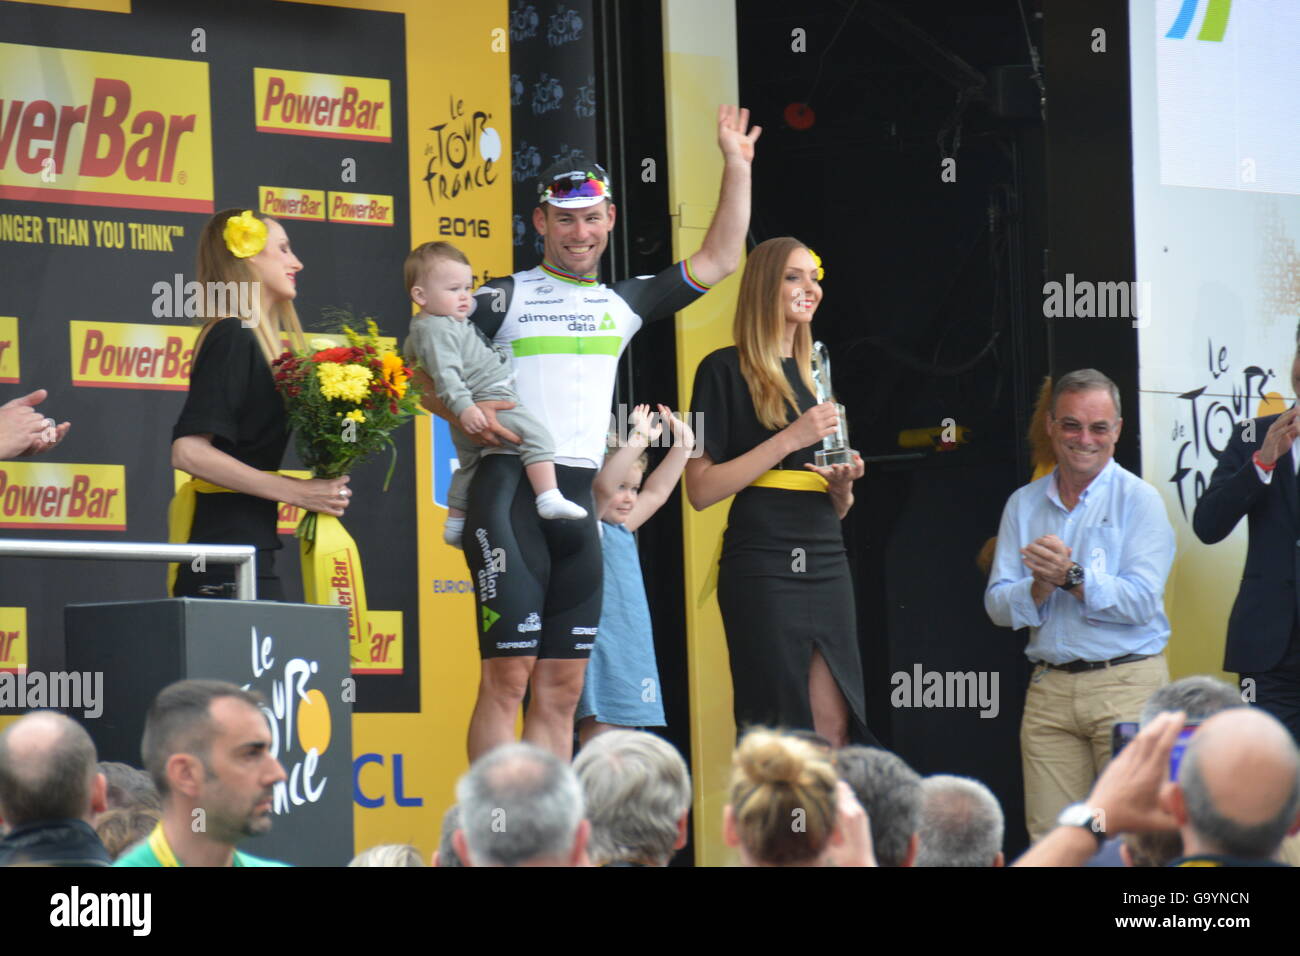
[[537, 582]]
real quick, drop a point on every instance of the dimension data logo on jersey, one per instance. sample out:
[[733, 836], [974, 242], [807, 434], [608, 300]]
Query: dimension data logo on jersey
[[289, 203], [104, 129], [322, 104], [1213, 26]]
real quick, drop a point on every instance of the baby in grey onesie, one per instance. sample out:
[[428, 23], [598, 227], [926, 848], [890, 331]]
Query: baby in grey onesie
[[466, 369]]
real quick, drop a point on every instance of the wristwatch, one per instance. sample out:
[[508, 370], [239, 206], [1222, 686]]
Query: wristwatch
[[1085, 818], [1073, 578]]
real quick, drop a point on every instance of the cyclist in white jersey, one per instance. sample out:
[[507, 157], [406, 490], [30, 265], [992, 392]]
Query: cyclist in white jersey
[[538, 584]]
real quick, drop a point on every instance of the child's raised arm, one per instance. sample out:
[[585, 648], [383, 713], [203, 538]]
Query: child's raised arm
[[658, 487], [618, 464]]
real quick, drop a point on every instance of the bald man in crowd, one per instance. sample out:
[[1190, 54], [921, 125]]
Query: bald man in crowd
[[50, 790], [1238, 792]]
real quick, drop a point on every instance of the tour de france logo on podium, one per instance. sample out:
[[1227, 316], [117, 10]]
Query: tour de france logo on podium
[[298, 715]]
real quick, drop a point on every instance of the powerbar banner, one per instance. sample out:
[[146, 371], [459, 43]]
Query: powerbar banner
[[364, 127]]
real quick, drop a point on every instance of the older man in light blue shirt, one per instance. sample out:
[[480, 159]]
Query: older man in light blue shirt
[[1082, 559]]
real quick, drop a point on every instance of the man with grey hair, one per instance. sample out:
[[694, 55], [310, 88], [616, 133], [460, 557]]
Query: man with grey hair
[[638, 797], [1238, 790], [1082, 558], [890, 791], [961, 823], [50, 790], [1199, 698], [445, 856], [521, 806]]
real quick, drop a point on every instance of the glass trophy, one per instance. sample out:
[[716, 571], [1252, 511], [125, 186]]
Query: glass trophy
[[835, 448]]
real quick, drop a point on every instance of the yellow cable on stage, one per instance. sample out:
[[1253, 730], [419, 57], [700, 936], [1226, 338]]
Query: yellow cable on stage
[[790, 480]]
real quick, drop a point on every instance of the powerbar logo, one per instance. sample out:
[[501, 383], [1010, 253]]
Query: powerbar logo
[[322, 104], [291, 203], [10, 373], [104, 129], [13, 640], [123, 355], [49, 495], [361, 209], [343, 587]]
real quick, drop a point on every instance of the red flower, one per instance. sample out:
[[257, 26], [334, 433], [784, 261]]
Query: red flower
[[370, 350], [339, 353], [392, 407]]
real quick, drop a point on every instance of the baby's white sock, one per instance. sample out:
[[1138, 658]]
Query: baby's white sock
[[452, 532], [552, 504]]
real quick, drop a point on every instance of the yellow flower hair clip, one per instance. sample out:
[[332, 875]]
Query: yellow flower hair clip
[[817, 261], [245, 235]]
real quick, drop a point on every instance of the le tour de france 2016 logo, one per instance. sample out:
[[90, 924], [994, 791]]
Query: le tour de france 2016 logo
[[300, 722], [461, 158]]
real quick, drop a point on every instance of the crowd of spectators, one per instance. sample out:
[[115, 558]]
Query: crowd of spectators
[[626, 800]]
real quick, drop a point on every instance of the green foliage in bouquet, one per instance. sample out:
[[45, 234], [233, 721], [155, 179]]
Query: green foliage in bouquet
[[344, 402]]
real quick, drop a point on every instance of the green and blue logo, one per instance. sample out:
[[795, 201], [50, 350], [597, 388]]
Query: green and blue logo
[[1213, 27]]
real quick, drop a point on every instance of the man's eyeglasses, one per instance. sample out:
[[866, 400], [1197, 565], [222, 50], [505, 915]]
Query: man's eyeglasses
[[1070, 427]]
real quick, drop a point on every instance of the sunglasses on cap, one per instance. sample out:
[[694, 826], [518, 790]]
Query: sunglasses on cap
[[577, 185]]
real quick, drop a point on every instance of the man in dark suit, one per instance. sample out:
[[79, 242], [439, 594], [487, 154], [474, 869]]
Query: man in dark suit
[[1256, 477]]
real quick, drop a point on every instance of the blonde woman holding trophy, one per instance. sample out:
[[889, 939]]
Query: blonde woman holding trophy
[[772, 436]]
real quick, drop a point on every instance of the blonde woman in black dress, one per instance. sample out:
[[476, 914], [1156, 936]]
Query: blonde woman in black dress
[[784, 587], [232, 433]]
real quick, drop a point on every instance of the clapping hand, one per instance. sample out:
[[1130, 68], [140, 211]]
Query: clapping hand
[[643, 426]]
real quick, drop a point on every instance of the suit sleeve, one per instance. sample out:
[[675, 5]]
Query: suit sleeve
[[1008, 599], [1234, 488], [1134, 594]]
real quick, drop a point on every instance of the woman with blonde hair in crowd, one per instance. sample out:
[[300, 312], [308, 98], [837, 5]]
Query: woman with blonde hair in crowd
[[232, 432], [788, 808], [783, 580]]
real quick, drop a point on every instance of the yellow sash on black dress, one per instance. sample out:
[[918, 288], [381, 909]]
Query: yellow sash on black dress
[[790, 480]]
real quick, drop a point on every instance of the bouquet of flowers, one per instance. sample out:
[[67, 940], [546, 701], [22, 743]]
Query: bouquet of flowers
[[344, 402]]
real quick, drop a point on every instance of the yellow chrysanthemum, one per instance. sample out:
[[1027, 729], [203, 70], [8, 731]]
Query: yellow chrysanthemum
[[245, 235], [817, 261], [357, 415], [348, 382]]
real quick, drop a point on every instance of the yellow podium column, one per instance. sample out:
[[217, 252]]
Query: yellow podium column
[[700, 72]]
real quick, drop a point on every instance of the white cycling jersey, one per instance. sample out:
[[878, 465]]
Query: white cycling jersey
[[566, 334]]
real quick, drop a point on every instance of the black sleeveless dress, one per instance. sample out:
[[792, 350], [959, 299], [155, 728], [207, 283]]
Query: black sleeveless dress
[[784, 586], [232, 397]]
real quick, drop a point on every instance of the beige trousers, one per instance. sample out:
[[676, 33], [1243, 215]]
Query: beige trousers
[[1065, 735]]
